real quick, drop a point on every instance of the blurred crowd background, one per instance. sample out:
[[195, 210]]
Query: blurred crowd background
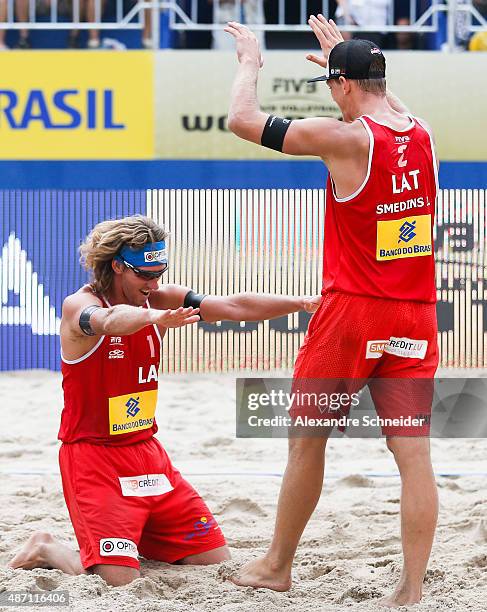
[[357, 13]]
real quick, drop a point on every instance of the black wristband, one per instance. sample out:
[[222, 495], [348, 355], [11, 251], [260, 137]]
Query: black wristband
[[84, 320], [274, 131], [194, 300]]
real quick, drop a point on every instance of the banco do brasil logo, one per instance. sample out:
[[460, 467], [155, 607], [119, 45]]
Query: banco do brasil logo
[[133, 406], [406, 231]]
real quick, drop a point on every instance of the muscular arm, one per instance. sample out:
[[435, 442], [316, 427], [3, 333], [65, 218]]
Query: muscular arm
[[238, 307], [245, 119], [317, 136], [120, 320], [253, 307]]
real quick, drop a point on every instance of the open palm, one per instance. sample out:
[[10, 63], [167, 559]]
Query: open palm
[[328, 35]]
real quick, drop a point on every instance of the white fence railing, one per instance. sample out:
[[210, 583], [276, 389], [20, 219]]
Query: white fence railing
[[271, 241], [186, 15], [221, 242]]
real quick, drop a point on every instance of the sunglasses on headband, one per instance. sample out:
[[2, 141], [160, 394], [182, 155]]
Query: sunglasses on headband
[[144, 274]]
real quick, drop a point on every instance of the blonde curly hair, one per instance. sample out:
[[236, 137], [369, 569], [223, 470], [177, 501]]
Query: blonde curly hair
[[105, 241]]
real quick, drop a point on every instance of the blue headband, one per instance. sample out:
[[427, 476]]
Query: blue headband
[[152, 254]]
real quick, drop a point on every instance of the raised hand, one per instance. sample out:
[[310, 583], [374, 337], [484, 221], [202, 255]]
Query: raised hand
[[328, 35], [175, 318], [248, 48]]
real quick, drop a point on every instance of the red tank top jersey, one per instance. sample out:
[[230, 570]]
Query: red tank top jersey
[[110, 394], [379, 240]]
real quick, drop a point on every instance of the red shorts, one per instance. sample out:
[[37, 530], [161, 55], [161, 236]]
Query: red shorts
[[358, 337], [129, 500]]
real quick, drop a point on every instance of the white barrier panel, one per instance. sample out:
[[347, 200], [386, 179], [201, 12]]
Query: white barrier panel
[[228, 241], [222, 242]]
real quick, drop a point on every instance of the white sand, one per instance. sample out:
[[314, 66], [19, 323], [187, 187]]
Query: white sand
[[350, 552]]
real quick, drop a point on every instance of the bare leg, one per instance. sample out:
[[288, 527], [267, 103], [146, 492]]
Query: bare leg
[[419, 513], [22, 14], [210, 557], [93, 9], [147, 30], [116, 575], [273, 571], [42, 550], [3, 19]]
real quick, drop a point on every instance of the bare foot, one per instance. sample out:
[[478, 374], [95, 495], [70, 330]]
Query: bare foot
[[396, 600], [42, 550], [260, 574], [31, 553]]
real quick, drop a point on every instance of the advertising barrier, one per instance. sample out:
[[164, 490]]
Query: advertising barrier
[[191, 111], [140, 105], [221, 242], [39, 236], [76, 105]]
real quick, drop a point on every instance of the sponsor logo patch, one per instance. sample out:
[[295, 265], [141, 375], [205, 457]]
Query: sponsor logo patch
[[132, 412], [406, 347], [116, 354], [201, 528], [152, 256], [375, 348], [118, 547], [145, 485], [406, 237]]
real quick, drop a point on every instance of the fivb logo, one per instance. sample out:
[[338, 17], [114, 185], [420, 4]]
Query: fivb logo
[[118, 547], [17, 276]]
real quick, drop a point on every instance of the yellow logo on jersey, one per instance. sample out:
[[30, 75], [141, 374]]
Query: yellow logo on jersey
[[132, 412], [406, 237]]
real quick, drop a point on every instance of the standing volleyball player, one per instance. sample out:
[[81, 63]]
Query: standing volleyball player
[[377, 317], [123, 494]]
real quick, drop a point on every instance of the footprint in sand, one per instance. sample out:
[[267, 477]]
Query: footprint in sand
[[313, 572], [359, 593], [381, 563], [47, 583], [449, 484], [382, 543], [241, 508], [144, 588], [356, 480], [479, 533], [434, 575], [478, 561], [217, 442]]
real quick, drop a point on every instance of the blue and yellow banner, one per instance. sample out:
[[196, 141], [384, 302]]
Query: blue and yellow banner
[[139, 105], [77, 105]]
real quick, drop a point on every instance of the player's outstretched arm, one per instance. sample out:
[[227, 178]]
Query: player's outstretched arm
[[254, 307], [83, 316]]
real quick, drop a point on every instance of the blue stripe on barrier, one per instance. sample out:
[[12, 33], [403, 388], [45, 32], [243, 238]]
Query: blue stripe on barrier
[[46, 228], [199, 174]]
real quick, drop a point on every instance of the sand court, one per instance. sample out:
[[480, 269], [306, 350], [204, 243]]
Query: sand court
[[350, 552]]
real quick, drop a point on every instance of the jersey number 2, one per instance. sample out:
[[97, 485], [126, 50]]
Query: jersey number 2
[[402, 152]]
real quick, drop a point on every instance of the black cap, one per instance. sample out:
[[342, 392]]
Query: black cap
[[355, 59]]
